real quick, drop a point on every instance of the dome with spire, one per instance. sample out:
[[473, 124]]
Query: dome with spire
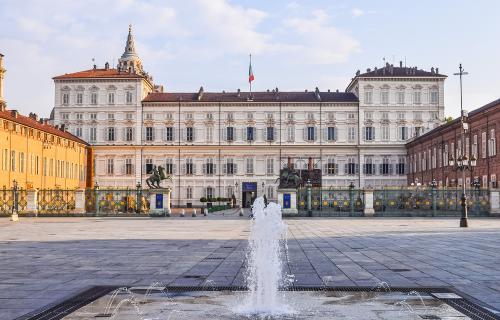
[[130, 61]]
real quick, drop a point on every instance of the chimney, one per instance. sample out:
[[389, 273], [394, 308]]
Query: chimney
[[437, 70], [238, 93], [277, 89], [358, 73], [432, 70], [328, 90], [95, 66], [106, 66], [33, 116], [316, 94], [368, 70], [400, 64], [56, 126], [14, 113], [62, 127], [375, 70]]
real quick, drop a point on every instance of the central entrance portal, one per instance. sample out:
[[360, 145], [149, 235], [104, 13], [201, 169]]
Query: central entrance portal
[[248, 193]]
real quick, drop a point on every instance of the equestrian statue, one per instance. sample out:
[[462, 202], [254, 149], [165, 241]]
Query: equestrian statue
[[289, 177], [156, 177]]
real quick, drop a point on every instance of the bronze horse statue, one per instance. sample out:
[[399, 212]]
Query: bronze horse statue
[[289, 178], [156, 177]]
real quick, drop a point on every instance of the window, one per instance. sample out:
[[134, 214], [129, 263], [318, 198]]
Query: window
[[417, 97], [65, 116], [270, 116], [111, 116], [110, 166], [209, 191], [148, 116], [149, 165], [230, 166], [385, 115], [270, 133], [492, 147], [168, 116], [209, 167], [289, 116], [331, 134], [93, 134], [230, 116], [79, 98], [129, 116], [111, 133], [78, 132], [111, 98], [351, 134], [385, 133], [210, 133], [79, 116], [290, 134], [190, 134], [418, 131], [369, 133], [189, 166], [483, 145], [434, 115], [65, 98], [169, 133], [331, 167], [250, 133], [311, 133], [93, 116], [369, 166], [310, 116], [270, 192], [93, 98], [210, 116], [368, 97], [331, 116], [401, 97], [128, 166], [384, 97], [351, 116], [368, 115], [417, 115], [403, 133], [474, 145], [401, 115], [230, 133], [189, 192], [129, 134], [270, 166], [21, 162], [150, 134], [128, 96], [351, 166], [434, 97], [385, 167], [400, 169], [169, 166], [249, 166]]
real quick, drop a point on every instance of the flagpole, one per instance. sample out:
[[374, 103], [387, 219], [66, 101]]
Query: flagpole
[[250, 82]]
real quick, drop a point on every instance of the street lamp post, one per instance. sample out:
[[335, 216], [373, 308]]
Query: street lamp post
[[462, 162]]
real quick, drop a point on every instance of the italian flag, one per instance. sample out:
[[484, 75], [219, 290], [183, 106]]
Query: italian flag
[[250, 72]]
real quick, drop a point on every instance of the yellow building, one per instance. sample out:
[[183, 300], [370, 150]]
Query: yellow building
[[38, 155]]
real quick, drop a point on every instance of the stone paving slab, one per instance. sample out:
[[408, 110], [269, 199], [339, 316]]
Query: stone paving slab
[[43, 260]]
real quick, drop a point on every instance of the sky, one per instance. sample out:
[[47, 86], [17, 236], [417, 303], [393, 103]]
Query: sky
[[295, 45]]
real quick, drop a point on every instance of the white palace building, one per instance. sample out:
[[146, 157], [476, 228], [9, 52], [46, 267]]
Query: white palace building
[[216, 144]]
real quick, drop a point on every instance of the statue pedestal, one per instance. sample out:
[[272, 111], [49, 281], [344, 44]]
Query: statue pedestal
[[287, 199], [159, 201]]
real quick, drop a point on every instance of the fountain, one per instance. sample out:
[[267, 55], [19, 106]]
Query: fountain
[[264, 268], [268, 296]]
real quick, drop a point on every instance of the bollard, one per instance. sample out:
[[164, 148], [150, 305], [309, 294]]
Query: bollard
[[194, 213], [205, 212], [182, 213], [241, 212]]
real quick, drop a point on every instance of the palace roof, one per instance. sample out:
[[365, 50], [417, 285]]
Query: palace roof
[[99, 73], [261, 96], [33, 122]]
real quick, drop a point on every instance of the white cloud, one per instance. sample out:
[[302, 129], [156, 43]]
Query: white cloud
[[356, 12], [323, 43]]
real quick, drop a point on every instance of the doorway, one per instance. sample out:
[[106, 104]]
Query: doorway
[[247, 198]]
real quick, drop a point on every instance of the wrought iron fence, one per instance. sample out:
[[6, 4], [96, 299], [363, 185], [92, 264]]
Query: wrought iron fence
[[116, 201], [56, 201], [7, 201], [429, 202], [332, 202]]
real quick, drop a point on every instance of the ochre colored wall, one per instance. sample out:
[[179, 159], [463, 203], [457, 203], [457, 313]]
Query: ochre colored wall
[[30, 157]]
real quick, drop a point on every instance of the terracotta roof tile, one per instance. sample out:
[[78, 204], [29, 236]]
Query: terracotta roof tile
[[32, 123], [264, 96], [98, 73]]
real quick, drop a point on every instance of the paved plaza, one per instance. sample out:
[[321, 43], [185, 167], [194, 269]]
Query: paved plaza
[[43, 260]]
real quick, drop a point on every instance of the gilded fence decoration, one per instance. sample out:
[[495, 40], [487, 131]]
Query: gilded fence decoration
[[332, 202], [115, 201], [7, 201], [56, 201]]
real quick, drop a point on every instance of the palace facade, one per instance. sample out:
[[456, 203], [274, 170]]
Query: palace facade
[[223, 143]]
